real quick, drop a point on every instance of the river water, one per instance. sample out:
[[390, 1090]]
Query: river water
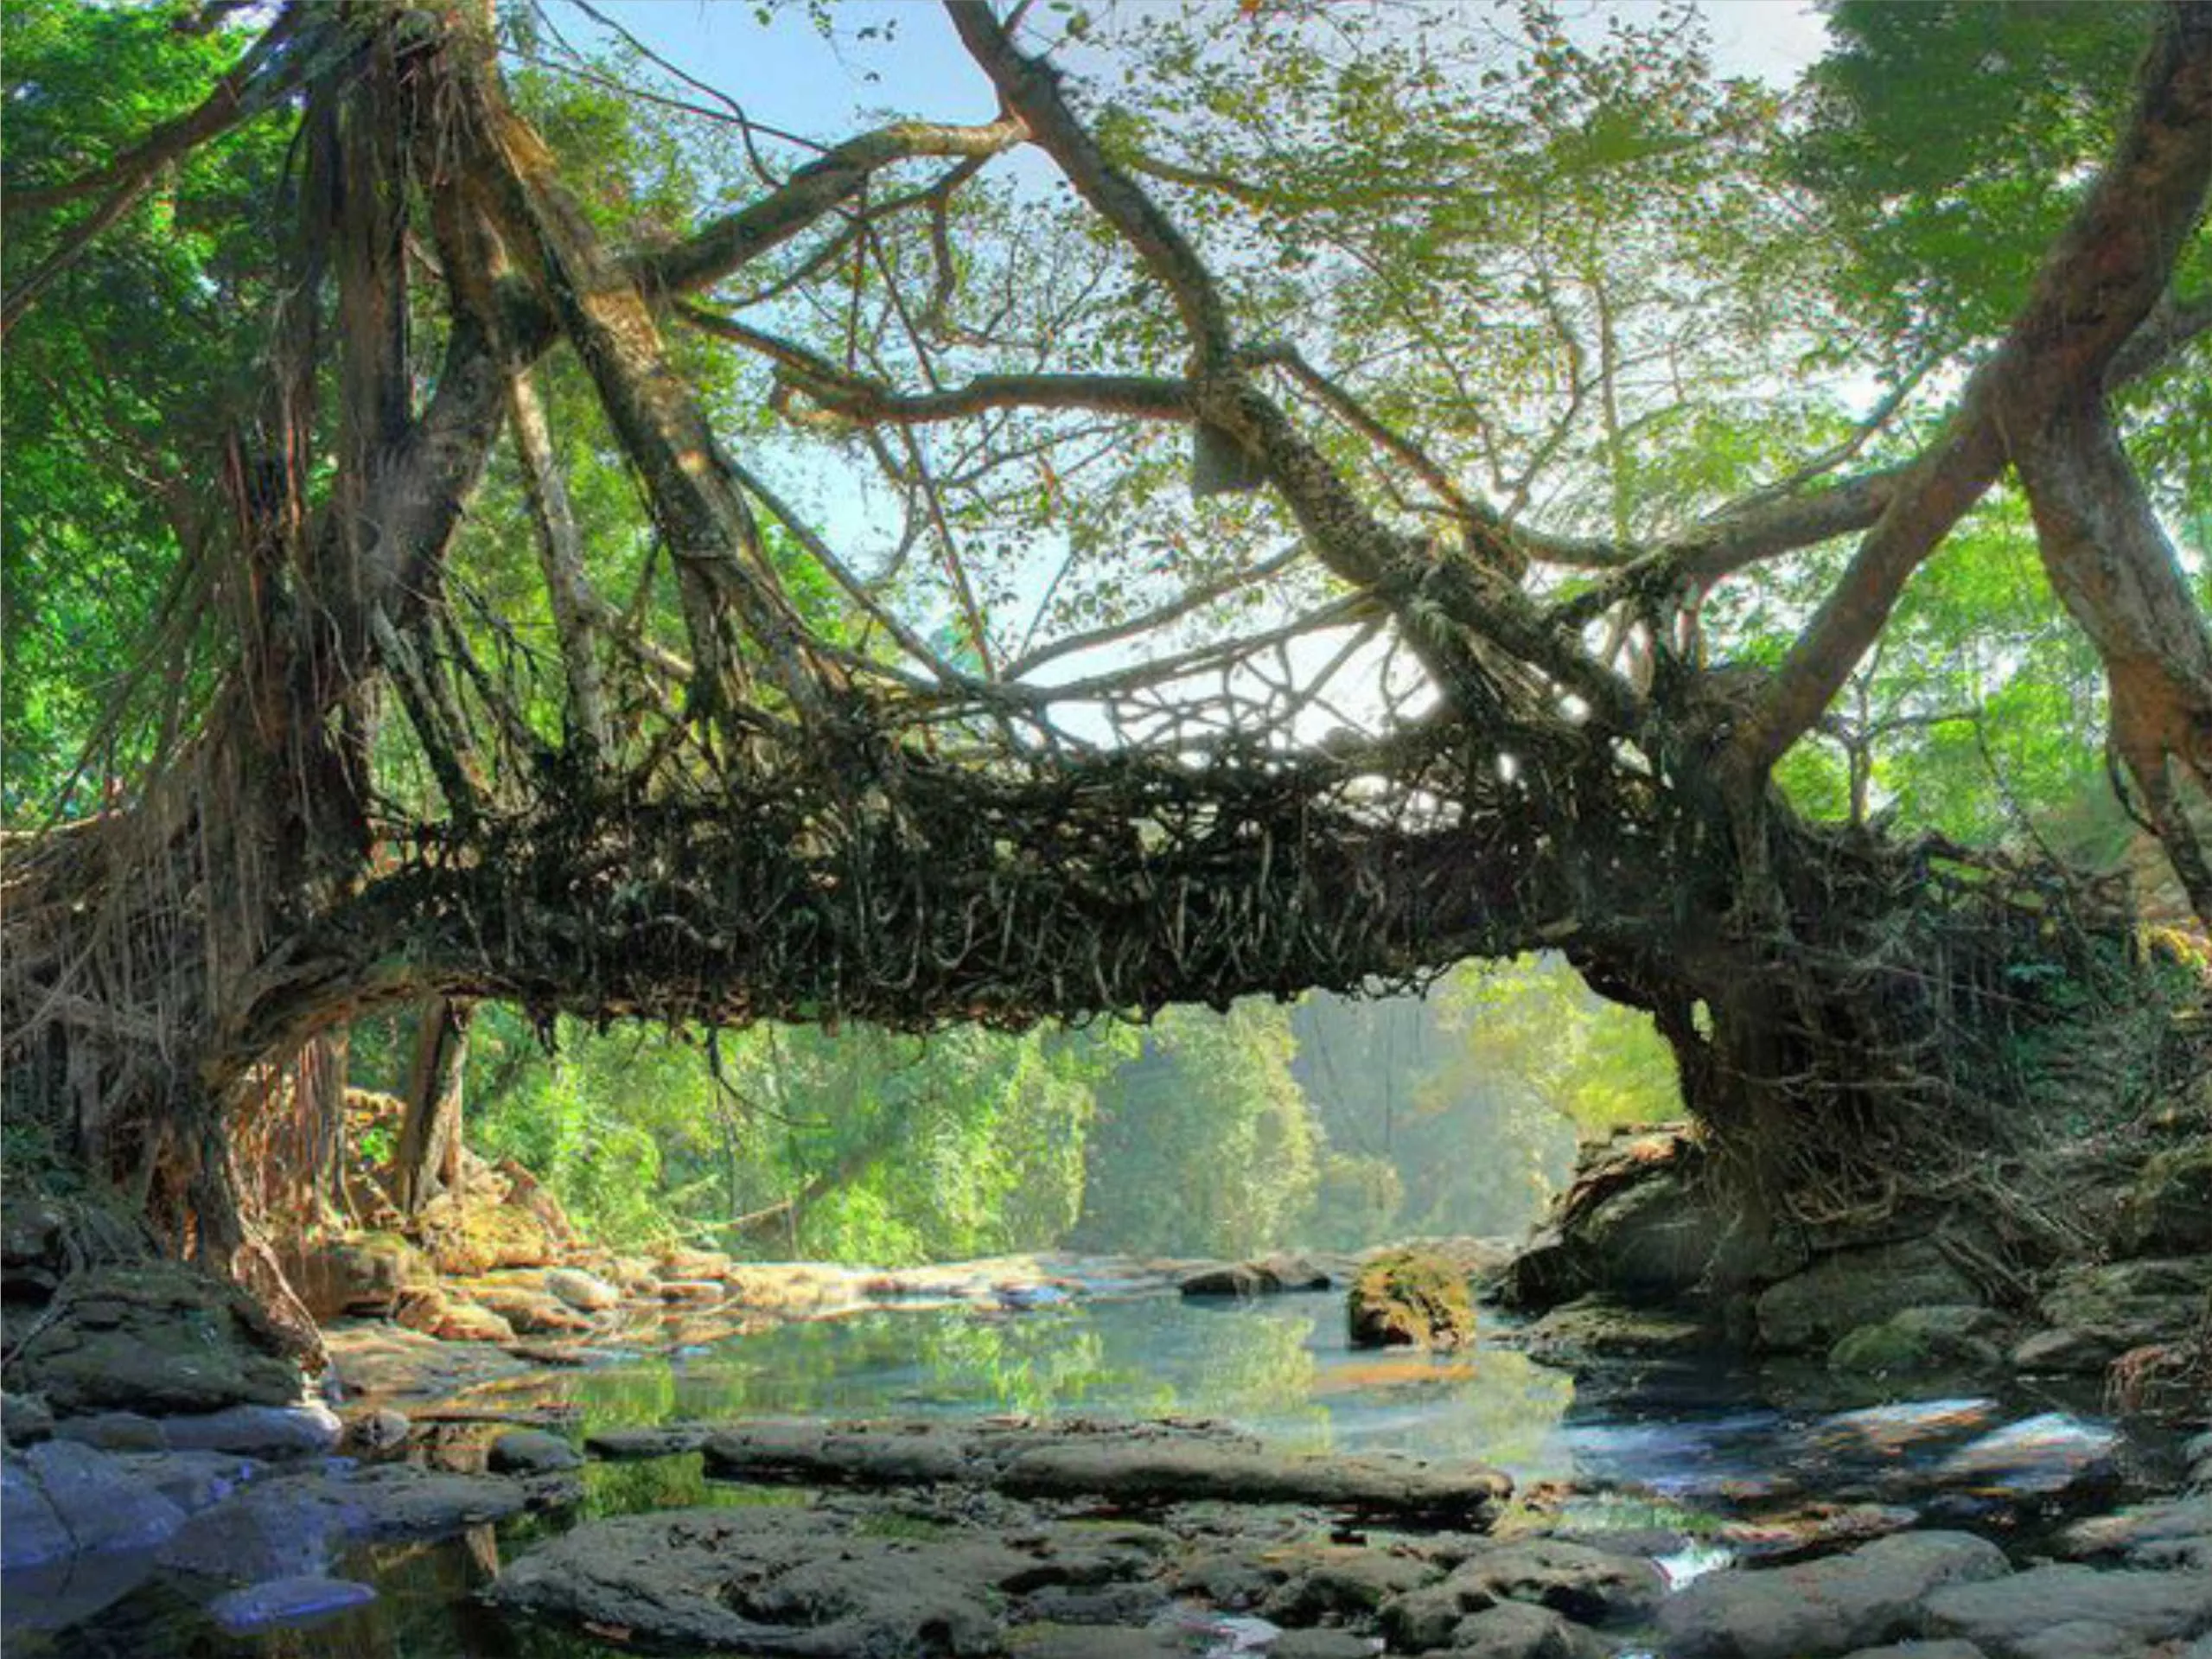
[[1659, 1451]]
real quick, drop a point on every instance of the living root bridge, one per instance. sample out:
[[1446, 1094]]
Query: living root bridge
[[1117, 884]]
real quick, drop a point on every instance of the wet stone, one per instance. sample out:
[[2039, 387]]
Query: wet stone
[[285, 1602], [290, 1526], [1134, 1466], [1342, 1582], [157, 1338], [1410, 1299], [31, 1533], [1590, 1585], [1322, 1644]]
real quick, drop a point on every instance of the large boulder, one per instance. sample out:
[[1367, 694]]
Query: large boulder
[[1875, 1594], [1410, 1299], [155, 1337], [1844, 1291], [97, 1506]]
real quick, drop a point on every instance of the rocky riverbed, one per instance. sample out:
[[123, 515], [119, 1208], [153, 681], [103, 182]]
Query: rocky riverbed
[[1648, 1503], [1646, 1442]]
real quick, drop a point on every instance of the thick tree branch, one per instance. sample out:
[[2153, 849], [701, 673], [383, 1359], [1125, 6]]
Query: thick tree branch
[[849, 399], [726, 245], [2097, 286], [723, 568], [2111, 564]]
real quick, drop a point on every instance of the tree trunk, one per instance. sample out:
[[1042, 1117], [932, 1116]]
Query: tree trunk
[[428, 1158]]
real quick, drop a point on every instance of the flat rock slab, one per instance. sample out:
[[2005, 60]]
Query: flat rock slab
[[388, 1362], [1140, 1465], [812, 1581], [292, 1526], [1142, 1476], [1878, 1593]]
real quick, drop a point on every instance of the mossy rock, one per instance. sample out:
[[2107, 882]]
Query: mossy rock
[[1919, 1342], [1410, 1299], [154, 1337]]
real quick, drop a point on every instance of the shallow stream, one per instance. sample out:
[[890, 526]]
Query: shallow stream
[[1687, 1458]]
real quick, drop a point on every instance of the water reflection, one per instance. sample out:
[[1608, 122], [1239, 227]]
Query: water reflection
[[1279, 1367]]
